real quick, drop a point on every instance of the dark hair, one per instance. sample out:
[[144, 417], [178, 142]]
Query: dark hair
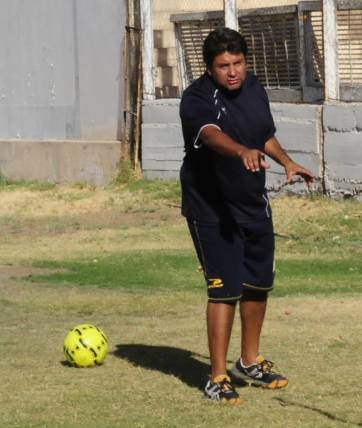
[[222, 40]]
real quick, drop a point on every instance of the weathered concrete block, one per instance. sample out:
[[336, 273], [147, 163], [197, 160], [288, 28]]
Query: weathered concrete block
[[163, 153], [344, 173], [308, 160], [298, 112], [164, 165], [358, 116], [339, 118], [343, 158], [161, 111], [92, 162], [281, 187], [154, 135], [343, 148], [298, 130], [274, 167], [297, 126], [298, 136], [163, 141], [161, 175], [276, 173], [351, 93], [274, 180]]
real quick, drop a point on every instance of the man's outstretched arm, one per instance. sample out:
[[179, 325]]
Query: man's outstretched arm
[[217, 140], [273, 149]]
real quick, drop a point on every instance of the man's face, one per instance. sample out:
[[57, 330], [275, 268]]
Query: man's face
[[229, 70]]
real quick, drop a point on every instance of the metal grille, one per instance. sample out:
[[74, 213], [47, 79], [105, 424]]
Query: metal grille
[[350, 46], [349, 27], [272, 40], [273, 48], [313, 22], [192, 35]]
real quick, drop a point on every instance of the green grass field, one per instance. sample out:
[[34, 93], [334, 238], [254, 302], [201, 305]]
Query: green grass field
[[121, 258]]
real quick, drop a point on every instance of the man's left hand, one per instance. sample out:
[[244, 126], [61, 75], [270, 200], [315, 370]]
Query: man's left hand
[[292, 169]]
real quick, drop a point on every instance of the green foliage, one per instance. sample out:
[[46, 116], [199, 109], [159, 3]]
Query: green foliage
[[7, 184], [318, 277], [318, 249], [126, 172], [150, 271], [156, 189], [135, 276], [144, 271]]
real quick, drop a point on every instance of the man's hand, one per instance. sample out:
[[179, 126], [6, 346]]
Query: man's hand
[[253, 159], [276, 152], [292, 169]]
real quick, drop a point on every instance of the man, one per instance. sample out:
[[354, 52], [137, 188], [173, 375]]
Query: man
[[227, 128]]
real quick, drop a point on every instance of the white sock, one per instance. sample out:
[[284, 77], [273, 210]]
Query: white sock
[[244, 366]]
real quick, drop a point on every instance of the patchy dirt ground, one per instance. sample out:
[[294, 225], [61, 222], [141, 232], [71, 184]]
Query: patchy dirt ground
[[158, 344], [158, 360], [9, 272]]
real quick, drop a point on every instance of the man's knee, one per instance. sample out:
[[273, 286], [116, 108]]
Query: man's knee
[[232, 302], [251, 295]]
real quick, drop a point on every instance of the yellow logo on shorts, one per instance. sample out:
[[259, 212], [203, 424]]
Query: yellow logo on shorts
[[214, 283]]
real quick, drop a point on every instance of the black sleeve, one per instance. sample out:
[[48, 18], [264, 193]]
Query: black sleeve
[[270, 120], [196, 112]]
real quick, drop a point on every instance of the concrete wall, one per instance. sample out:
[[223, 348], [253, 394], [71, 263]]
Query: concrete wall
[[162, 143], [298, 130], [68, 161], [61, 69], [333, 151], [342, 125], [61, 80]]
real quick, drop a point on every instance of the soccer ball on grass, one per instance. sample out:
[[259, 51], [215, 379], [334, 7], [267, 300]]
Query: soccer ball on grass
[[85, 346]]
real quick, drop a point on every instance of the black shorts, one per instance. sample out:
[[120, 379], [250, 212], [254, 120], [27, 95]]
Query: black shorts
[[235, 257]]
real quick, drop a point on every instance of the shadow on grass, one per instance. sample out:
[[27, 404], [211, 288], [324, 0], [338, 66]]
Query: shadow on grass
[[327, 414], [173, 361]]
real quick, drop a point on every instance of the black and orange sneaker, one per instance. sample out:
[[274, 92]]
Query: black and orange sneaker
[[260, 374], [221, 389]]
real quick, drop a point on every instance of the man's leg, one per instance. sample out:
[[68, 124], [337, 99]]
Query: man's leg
[[220, 317], [252, 315], [219, 259], [259, 264], [252, 368]]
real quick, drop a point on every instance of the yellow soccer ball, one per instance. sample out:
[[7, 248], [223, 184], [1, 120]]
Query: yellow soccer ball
[[85, 346]]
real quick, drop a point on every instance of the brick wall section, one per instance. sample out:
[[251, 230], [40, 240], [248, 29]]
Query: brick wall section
[[332, 151], [298, 131], [162, 142], [342, 125]]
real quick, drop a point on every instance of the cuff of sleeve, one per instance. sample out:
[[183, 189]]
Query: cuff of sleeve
[[270, 135], [197, 144]]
